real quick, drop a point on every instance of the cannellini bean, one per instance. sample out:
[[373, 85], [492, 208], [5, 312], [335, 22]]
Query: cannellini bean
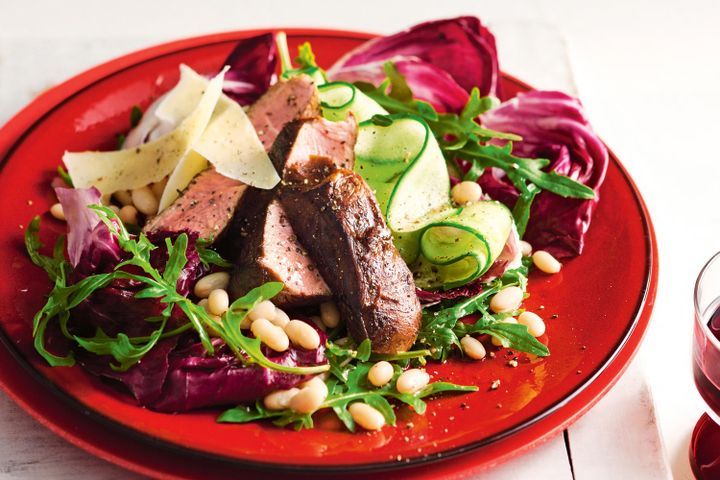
[[128, 215], [145, 201], [57, 211], [264, 309], [506, 300], [411, 381], [381, 373], [280, 399], [123, 197], [533, 322], [211, 282], [316, 382], [203, 303], [310, 397], [158, 187], [317, 321], [525, 248], [466, 192], [271, 335], [366, 416], [473, 348], [546, 262], [302, 334], [218, 301], [280, 318], [245, 323], [329, 314], [115, 209]]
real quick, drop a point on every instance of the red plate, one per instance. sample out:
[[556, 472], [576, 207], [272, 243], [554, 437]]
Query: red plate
[[596, 309]]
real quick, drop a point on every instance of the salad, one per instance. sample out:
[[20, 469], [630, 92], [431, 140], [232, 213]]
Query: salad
[[279, 239]]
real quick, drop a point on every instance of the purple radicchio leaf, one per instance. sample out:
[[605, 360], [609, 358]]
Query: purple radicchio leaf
[[553, 125], [252, 68], [442, 61]]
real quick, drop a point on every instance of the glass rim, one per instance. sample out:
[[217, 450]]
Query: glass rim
[[698, 314]]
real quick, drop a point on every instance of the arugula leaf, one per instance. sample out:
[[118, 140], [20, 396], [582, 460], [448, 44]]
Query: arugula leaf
[[122, 349], [136, 115], [54, 266], [441, 328], [305, 58], [65, 176], [209, 256], [511, 335]]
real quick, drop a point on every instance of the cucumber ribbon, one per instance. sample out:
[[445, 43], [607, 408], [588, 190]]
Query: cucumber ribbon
[[398, 156]]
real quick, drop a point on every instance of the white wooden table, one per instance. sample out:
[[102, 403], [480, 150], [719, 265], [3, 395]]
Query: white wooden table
[[646, 71]]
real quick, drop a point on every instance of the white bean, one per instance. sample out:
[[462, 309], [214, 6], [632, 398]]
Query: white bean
[[211, 282], [533, 322], [218, 301], [329, 314], [302, 334], [123, 197], [381, 373], [158, 187], [115, 209], [128, 215], [271, 335], [466, 192], [473, 347], [506, 300], [546, 262], [366, 416], [525, 248], [203, 303], [411, 381], [57, 211], [316, 382], [264, 309], [280, 399], [280, 318], [145, 201], [310, 397]]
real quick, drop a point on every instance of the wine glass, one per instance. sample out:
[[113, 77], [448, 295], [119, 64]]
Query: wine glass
[[705, 442]]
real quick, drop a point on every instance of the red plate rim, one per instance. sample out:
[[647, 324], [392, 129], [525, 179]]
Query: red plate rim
[[573, 405]]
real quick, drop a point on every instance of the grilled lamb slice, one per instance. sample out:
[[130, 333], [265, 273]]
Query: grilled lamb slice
[[206, 206], [339, 222], [267, 247], [208, 203], [271, 253]]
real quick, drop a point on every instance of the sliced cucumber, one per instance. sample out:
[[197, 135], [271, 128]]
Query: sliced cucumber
[[462, 246], [339, 98]]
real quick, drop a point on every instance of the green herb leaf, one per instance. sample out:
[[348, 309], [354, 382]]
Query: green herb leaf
[[121, 348], [65, 176], [208, 256], [136, 115]]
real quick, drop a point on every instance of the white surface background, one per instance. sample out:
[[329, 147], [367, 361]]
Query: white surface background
[[647, 71]]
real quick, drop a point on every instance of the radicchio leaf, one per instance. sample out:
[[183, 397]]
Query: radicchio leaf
[[252, 68], [442, 61], [553, 125]]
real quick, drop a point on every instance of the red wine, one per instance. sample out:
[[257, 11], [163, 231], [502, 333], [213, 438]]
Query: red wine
[[705, 444], [706, 368]]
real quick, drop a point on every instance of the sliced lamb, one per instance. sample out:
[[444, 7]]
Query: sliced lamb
[[340, 224], [265, 243], [208, 203]]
